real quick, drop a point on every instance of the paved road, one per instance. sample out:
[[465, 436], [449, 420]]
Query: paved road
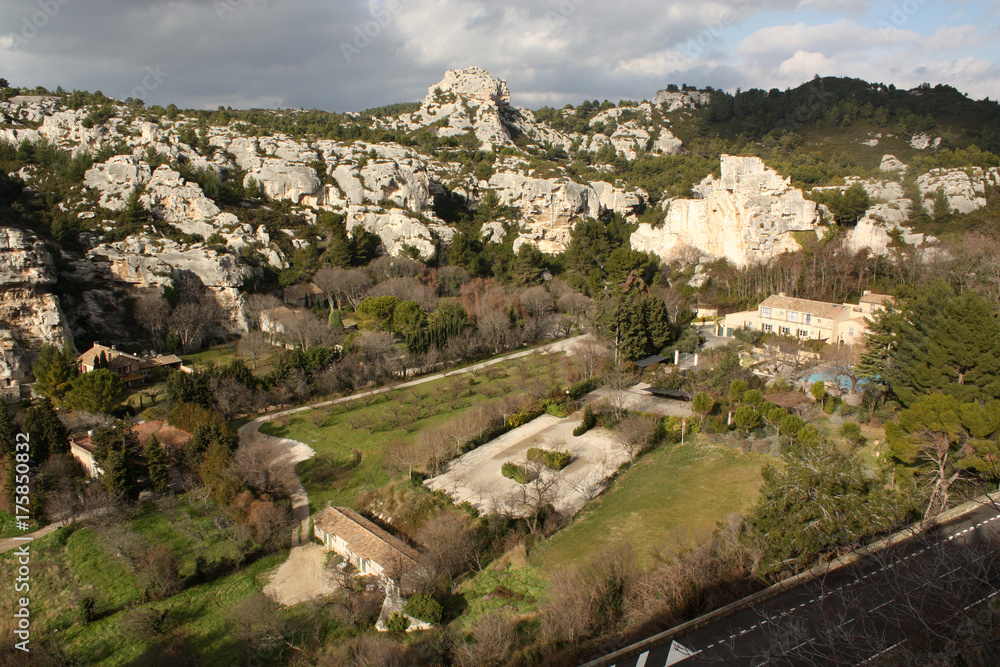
[[297, 451], [851, 616]]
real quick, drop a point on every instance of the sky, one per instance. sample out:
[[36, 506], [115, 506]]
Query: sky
[[348, 55]]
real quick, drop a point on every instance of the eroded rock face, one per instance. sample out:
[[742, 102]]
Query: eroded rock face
[[398, 230], [144, 262], [28, 312], [672, 101], [281, 179], [746, 216], [549, 207], [964, 188], [116, 178]]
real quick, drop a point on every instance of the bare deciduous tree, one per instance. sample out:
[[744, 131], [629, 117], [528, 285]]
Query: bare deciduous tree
[[617, 384], [152, 312], [491, 641], [253, 347], [593, 358], [634, 433], [405, 289], [193, 322], [256, 305]]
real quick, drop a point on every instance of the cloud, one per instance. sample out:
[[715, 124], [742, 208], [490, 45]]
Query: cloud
[[351, 54]]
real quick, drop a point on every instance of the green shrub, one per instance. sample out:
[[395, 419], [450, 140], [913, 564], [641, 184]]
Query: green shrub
[[548, 458], [398, 624], [523, 417], [747, 418], [851, 432], [515, 472], [425, 608], [557, 408], [582, 388], [589, 421]]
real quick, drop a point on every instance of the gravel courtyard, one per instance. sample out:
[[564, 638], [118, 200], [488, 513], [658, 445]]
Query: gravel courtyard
[[475, 477]]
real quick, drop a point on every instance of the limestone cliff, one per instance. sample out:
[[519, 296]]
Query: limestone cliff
[[746, 216]]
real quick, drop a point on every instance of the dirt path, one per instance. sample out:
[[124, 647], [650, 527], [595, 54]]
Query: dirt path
[[302, 577], [298, 451]]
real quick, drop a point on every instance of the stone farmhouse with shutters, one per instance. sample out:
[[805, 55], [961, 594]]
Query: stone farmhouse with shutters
[[843, 324], [369, 548]]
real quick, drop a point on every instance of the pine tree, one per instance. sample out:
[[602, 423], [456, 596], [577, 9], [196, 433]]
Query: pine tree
[[54, 371], [118, 454], [156, 464]]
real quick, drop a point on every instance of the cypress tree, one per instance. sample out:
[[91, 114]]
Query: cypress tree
[[8, 431], [156, 464]]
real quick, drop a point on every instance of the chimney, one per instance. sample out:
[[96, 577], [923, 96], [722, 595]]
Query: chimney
[[781, 294], [90, 433]]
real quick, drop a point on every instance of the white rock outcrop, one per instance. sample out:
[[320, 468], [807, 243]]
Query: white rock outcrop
[[549, 207], [398, 230], [115, 179], [688, 99], [281, 179], [890, 163], [746, 216], [964, 188]]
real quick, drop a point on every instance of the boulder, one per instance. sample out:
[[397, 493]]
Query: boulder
[[890, 163], [689, 99], [281, 179]]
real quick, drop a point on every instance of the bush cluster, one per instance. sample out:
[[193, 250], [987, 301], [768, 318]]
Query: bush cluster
[[424, 607], [550, 459], [515, 472]]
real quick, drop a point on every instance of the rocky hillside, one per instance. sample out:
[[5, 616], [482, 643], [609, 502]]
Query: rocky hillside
[[127, 199]]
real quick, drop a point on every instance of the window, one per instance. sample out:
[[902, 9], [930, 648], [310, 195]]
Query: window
[[767, 328], [807, 319], [765, 312], [850, 332], [803, 333], [793, 317], [819, 321], [784, 331]]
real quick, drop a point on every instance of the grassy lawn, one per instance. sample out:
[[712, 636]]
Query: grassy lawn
[[8, 525], [351, 439], [220, 355], [517, 588], [673, 497]]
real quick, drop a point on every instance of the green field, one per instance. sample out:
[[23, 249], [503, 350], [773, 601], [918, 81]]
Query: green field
[[671, 498], [350, 439], [74, 563], [8, 525]]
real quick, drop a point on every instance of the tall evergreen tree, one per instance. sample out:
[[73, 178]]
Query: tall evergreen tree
[[47, 433], [156, 464], [937, 342], [118, 454]]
